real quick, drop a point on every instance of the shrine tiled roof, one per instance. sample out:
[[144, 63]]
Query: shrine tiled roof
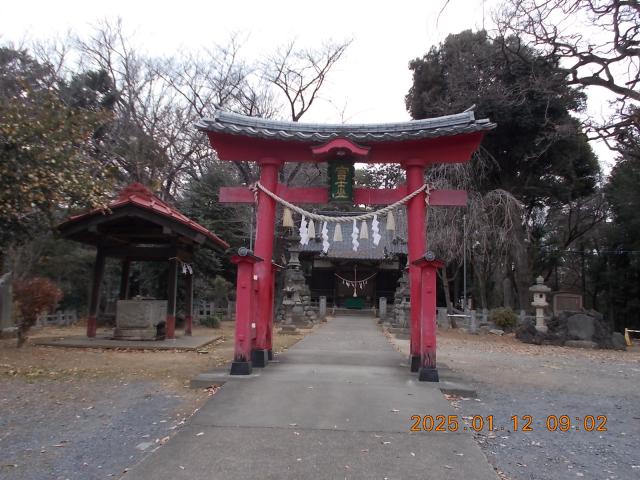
[[391, 244], [139, 196], [235, 124]]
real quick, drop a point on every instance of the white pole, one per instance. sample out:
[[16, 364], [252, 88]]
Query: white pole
[[464, 262]]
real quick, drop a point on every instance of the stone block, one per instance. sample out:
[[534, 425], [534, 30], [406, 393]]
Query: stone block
[[139, 319], [289, 330], [580, 344], [618, 341], [580, 327]]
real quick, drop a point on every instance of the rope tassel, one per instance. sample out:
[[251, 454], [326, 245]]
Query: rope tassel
[[287, 218], [364, 230], [337, 233], [311, 229], [391, 222]]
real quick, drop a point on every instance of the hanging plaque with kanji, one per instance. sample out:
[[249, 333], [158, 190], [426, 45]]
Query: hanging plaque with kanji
[[341, 175]]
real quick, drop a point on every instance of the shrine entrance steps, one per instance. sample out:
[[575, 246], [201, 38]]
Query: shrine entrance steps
[[338, 404], [352, 312]]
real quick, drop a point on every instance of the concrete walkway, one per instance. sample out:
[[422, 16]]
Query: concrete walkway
[[337, 405]]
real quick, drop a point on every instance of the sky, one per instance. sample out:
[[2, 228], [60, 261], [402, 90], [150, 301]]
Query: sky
[[369, 83]]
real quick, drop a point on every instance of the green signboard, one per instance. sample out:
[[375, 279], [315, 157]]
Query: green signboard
[[341, 175]]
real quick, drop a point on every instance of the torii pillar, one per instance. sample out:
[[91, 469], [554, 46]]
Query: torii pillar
[[427, 267], [417, 233], [245, 307], [264, 271]]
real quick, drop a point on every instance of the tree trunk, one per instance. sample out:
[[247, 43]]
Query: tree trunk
[[522, 274], [21, 335], [482, 289], [446, 288]]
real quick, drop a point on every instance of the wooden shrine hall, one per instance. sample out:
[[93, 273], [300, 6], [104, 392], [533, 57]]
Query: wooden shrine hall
[[415, 145], [138, 226]]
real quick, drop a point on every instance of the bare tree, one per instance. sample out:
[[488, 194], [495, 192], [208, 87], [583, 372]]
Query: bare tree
[[597, 43], [301, 73], [492, 226]]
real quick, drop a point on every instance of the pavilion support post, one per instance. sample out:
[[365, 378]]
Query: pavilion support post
[[416, 210], [98, 273], [265, 227], [245, 304], [188, 316], [172, 288], [428, 371], [124, 279]]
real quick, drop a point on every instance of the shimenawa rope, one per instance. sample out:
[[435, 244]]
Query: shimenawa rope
[[343, 219]]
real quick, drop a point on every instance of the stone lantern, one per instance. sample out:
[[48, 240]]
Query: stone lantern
[[539, 291]]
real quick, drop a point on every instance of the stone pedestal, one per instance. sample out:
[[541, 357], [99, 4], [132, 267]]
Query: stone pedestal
[[473, 322], [382, 308], [289, 330], [296, 302], [140, 319], [6, 303], [322, 307]]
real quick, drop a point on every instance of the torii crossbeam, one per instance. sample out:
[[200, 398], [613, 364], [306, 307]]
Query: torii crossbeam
[[415, 145]]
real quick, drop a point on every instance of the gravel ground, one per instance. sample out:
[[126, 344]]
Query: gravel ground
[[512, 378], [83, 428], [72, 413]]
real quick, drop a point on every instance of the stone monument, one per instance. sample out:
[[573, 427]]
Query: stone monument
[[566, 301], [401, 304], [296, 302]]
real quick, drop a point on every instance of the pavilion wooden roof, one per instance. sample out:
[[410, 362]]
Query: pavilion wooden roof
[[139, 218]]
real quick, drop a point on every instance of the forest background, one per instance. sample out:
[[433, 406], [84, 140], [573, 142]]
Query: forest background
[[81, 118]]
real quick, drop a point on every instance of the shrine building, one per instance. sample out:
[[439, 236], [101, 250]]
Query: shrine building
[[356, 279]]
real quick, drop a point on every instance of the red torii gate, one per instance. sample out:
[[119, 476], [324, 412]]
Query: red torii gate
[[415, 145]]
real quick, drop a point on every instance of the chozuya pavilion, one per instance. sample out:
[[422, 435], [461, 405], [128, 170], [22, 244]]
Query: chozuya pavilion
[[415, 145]]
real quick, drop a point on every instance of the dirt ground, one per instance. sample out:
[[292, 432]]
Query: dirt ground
[[516, 379], [90, 413]]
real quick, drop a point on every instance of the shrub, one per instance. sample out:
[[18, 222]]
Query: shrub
[[34, 297], [504, 318], [211, 321]]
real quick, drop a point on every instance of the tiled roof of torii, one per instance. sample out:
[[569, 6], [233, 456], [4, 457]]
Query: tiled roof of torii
[[235, 124]]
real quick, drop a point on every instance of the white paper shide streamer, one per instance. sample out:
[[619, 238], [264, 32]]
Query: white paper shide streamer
[[375, 230], [354, 236], [325, 238], [304, 233]]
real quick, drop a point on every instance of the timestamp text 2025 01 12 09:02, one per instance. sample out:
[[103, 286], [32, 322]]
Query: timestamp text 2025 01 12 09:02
[[517, 423]]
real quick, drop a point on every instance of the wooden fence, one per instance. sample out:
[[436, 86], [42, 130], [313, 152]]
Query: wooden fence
[[59, 318]]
